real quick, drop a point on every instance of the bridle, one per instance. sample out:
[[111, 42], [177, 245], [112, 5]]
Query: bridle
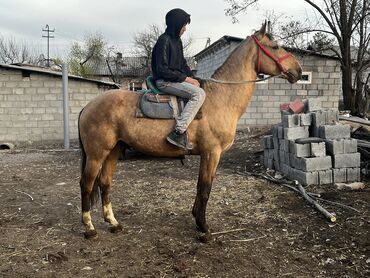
[[277, 60], [260, 47]]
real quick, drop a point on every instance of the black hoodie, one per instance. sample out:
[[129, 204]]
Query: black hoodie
[[168, 62]]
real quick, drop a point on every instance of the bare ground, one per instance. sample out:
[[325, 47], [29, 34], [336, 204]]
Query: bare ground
[[276, 233]]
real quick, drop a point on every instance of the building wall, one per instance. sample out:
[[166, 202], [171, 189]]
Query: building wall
[[31, 108], [264, 106]]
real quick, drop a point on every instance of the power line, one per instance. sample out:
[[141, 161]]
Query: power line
[[48, 36]]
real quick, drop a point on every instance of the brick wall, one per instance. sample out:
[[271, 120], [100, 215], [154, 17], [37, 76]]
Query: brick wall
[[31, 108]]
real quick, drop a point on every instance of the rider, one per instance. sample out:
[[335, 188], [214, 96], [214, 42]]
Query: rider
[[173, 76]]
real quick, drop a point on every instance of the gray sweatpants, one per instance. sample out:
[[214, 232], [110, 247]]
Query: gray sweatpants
[[194, 94]]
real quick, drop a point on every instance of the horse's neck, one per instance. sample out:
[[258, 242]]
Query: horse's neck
[[231, 98]]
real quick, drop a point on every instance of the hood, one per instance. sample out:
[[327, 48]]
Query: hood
[[175, 19]]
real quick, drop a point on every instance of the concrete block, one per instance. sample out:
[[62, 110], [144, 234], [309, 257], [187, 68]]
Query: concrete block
[[290, 173], [339, 175], [291, 120], [313, 104], [305, 119], [334, 147], [284, 112], [347, 160], [350, 145], [335, 131], [282, 156], [280, 132], [353, 174], [284, 169], [318, 119], [301, 150], [274, 131], [277, 165], [284, 145], [296, 106], [293, 133], [270, 164], [293, 160], [275, 142], [306, 178], [287, 158], [268, 142], [332, 117], [310, 164], [276, 154], [318, 149], [325, 177]]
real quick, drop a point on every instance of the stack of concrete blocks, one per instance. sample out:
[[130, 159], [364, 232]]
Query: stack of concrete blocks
[[312, 147]]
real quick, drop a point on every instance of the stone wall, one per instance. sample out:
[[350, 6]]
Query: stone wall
[[31, 108]]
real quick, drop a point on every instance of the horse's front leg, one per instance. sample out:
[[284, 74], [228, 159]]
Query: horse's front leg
[[207, 171]]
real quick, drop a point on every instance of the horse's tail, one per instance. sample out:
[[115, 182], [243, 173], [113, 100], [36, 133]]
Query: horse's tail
[[95, 194]]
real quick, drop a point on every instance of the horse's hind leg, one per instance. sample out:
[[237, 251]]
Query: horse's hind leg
[[87, 181], [108, 169]]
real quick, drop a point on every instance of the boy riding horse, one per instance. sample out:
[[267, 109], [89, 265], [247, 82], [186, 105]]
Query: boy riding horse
[[172, 75]]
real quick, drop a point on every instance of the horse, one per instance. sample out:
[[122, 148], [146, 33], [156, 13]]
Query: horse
[[108, 125]]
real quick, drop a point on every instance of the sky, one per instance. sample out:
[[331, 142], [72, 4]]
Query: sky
[[119, 20]]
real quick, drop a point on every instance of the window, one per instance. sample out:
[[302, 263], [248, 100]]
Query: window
[[306, 78], [262, 76]]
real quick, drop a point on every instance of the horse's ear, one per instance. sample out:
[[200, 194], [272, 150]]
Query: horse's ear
[[262, 31]]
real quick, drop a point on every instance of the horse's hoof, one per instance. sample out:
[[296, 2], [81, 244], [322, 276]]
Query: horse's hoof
[[91, 234], [205, 237], [116, 229]]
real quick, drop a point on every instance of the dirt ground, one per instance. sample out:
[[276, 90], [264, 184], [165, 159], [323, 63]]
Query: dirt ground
[[269, 230]]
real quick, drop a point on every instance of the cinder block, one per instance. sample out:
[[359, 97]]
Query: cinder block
[[284, 145], [284, 169], [334, 131], [293, 160], [318, 149], [313, 104], [290, 173], [325, 177], [301, 150], [291, 120], [277, 165], [305, 119], [296, 106], [284, 112], [306, 178], [347, 160], [270, 164], [280, 132], [276, 154], [274, 131], [293, 133], [332, 117], [334, 147], [268, 142], [350, 145], [353, 174], [282, 156], [318, 119], [275, 142], [339, 175], [287, 159], [310, 164]]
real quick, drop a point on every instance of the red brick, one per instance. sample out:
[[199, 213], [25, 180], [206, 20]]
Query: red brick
[[296, 107], [284, 107]]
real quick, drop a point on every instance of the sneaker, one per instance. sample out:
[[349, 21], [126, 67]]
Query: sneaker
[[179, 140]]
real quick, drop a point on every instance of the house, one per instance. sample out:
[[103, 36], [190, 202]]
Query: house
[[321, 78], [31, 102]]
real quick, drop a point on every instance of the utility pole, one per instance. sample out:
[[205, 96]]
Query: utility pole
[[48, 36]]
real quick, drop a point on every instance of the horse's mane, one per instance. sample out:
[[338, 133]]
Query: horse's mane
[[242, 44]]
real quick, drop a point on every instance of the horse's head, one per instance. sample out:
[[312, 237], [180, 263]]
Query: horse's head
[[274, 60]]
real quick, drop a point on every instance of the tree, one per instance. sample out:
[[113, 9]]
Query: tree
[[144, 42], [12, 52], [85, 58], [346, 21]]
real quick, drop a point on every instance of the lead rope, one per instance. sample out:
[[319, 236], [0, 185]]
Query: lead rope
[[240, 82]]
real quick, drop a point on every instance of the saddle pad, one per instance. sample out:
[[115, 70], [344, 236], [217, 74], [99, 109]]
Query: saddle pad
[[159, 107]]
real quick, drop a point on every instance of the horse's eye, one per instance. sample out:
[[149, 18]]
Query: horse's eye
[[275, 47]]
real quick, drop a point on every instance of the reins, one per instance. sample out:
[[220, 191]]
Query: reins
[[269, 54]]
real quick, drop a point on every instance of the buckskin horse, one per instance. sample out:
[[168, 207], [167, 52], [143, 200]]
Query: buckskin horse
[[107, 125]]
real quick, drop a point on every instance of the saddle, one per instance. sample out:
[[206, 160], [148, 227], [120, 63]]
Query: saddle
[[156, 104]]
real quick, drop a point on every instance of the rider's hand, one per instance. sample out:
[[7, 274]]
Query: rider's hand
[[192, 81]]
